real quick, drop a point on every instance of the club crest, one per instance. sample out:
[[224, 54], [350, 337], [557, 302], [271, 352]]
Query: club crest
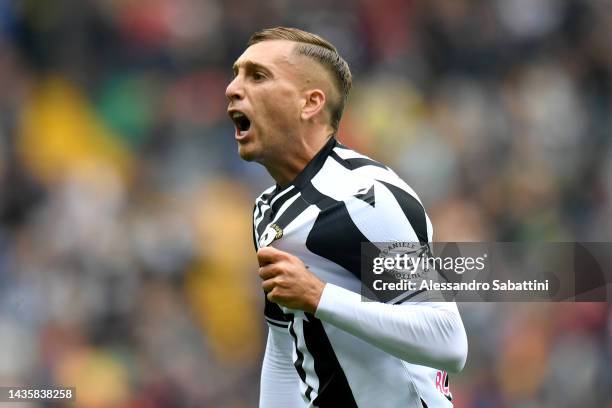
[[271, 234]]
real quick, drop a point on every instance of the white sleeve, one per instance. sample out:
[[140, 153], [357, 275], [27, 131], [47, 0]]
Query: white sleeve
[[428, 333], [279, 386]]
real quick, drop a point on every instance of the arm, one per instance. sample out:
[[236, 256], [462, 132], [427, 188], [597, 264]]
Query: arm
[[427, 333], [279, 386], [430, 334]]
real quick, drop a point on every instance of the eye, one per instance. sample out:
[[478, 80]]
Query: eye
[[258, 76]]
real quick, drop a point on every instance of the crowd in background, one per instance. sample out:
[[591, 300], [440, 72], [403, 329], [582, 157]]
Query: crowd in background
[[127, 267]]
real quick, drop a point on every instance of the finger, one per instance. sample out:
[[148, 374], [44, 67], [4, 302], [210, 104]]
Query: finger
[[272, 295], [268, 285], [269, 271], [267, 255]]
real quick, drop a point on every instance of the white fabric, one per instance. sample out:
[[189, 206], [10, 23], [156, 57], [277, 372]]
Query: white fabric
[[430, 334], [280, 384]]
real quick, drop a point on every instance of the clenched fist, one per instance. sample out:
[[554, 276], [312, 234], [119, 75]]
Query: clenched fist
[[287, 281]]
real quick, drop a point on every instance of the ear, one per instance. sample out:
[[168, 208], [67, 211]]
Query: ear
[[314, 102]]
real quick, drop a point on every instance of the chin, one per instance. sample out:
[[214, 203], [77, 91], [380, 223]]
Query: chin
[[246, 153]]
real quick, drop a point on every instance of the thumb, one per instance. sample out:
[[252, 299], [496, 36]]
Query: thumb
[[268, 255]]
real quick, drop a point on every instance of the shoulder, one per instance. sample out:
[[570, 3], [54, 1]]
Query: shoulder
[[349, 172], [373, 191]]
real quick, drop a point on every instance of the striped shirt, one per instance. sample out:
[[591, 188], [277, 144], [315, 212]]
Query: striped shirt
[[351, 353]]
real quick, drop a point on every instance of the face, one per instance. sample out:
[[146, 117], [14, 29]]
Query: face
[[264, 100]]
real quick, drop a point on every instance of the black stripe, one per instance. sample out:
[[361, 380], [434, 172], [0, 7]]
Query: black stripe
[[270, 212], [356, 162], [277, 324], [283, 199], [339, 159], [334, 390], [265, 220], [273, 311], [259, 205], [300, 359], [313, 167], [292, 212], [253, 230], [410, 296], [315, 197], [264, 199], [423, 403], [413, 210], [335, 237], [256, 212], [341, 146]]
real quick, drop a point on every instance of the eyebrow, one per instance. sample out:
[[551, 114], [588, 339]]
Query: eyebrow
[[249, 65]]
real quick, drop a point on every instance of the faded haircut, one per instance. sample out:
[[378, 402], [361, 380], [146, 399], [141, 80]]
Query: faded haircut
[[323, 52]]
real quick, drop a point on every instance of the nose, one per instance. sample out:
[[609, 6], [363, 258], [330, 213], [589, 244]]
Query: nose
[[234, 90]]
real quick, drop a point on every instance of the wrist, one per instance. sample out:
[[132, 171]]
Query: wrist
[[315, 299]]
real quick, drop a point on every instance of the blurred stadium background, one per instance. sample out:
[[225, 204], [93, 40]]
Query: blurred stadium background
[[126, 262]]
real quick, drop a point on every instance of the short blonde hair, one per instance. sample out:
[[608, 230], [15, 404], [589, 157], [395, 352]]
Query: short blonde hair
[[323, 52]]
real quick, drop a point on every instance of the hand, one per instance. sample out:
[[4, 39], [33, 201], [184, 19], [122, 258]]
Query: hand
[[287, 281]]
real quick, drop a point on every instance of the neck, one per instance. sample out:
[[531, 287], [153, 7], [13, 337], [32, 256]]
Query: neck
[[287, 166]]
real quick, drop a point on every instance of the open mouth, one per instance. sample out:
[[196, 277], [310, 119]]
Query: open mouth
[[241, 121]]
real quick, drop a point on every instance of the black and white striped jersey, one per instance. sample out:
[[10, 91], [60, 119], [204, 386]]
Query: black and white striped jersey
[[352, 353]]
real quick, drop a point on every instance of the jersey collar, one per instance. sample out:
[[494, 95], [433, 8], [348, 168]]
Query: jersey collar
[[313, 167]]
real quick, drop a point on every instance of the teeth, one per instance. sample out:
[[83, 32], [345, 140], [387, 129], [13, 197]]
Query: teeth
[[241, 121]]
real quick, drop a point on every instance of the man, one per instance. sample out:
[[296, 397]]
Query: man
[[327, 348]]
